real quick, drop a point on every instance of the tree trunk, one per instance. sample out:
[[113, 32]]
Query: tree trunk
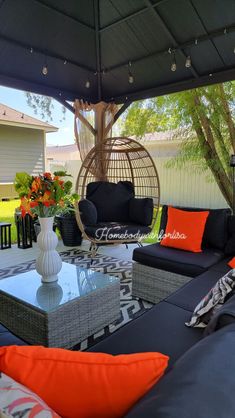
[[228, 116], [204, 133]]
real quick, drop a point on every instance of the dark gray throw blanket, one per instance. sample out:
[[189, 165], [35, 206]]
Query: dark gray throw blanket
[[213, 301], [227, 309]]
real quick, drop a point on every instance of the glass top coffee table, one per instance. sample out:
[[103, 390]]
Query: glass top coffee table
[[59, 314]]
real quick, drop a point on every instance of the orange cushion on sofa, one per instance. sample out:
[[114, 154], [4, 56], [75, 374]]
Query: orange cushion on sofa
[[82, 385], [184, 229], [231, 263]]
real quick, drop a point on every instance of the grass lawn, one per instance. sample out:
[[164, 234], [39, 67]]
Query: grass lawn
[[154, 234], [7, 211]]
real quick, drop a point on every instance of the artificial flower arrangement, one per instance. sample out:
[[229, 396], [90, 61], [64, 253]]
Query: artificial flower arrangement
[[43, 195]]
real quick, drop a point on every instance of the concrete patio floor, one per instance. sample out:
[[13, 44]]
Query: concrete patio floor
[[15, 255]]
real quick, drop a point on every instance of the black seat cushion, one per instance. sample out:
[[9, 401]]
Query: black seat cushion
[[88, 212], [221, 266], [189, 295], [200, 385], [116, 231], [177, 261], [111, 200], [216, 229], [230, 245], [141, 211], [7, 338], [161, 329]]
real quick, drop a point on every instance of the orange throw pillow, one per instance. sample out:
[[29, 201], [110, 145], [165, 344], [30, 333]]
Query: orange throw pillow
[[231, 263], [82, 385], [185, 229]]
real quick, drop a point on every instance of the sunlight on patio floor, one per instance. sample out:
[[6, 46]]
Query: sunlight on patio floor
[[15, 255]]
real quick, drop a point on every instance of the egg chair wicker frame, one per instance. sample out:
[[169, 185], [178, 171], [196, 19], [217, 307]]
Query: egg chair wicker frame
[[119, 159]]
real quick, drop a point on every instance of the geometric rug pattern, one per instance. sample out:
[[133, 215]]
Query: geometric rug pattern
[[131, 307]]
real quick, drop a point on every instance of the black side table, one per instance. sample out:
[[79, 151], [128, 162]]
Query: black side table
[[24, 230], [5, 235]]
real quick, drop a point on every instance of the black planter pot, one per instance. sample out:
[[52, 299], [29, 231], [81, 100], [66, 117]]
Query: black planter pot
[[69, 231]]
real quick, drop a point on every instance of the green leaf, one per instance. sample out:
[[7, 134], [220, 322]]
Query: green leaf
[[22, 183]]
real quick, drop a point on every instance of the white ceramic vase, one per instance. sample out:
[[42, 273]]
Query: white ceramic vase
[[48, 263], [49, 295]]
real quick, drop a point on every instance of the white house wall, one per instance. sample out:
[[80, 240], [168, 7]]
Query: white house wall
[[187, 188], [178, 187], [21, 149]]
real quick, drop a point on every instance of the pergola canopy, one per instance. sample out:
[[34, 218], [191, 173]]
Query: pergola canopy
[[102, 41]]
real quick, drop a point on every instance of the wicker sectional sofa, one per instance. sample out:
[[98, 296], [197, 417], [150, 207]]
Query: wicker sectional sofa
[[199, 382], [158, 271]]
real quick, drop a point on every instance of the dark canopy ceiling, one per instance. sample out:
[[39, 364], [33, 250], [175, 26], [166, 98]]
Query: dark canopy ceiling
[[95, 40]]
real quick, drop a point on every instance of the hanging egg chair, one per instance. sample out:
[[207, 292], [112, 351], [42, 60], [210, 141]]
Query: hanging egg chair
[[114, 160]]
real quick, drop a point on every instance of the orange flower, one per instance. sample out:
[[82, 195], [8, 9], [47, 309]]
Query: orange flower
[[25, 206], [45, 199], [48, 203], [36, 184], [47, 175], [33, 204]]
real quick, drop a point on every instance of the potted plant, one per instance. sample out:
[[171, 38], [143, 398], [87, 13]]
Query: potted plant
[[67, 223], [44, 196]]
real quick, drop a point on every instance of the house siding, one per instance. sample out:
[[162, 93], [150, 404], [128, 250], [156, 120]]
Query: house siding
[[21, 149]]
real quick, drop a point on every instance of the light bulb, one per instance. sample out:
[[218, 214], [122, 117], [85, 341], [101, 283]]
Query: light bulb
[[173, 66], [87, 84], [131, 78], [188, 62], [44, 70]]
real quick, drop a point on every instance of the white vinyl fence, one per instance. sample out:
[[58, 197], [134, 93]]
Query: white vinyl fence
[[178, 187]]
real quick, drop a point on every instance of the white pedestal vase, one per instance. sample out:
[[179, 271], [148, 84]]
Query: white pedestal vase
[[48, 263]]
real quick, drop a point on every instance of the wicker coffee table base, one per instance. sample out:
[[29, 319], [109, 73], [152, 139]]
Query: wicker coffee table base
[[153, 284], [65, 326]]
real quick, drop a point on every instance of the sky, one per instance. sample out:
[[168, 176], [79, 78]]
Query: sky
[[17, 100]]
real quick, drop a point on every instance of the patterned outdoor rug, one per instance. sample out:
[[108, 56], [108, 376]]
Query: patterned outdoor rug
[[131, 308]]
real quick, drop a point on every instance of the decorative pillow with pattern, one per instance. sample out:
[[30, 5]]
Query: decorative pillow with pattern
[[18, 401], [212, 301]]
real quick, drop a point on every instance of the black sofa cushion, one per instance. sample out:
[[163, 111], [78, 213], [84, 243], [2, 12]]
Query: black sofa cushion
[[111, 200], [177, 261], [189, 295], [200, 385], [230, 245], [117, 231], [88, 212], [141, 211], [223, 316], [216, 229], [161, 329], [7, 338]]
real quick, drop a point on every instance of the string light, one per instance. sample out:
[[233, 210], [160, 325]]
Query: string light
[[130, 75], [131, 79], [87, 84], [173, 65], [44, 69], [188, 62]]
